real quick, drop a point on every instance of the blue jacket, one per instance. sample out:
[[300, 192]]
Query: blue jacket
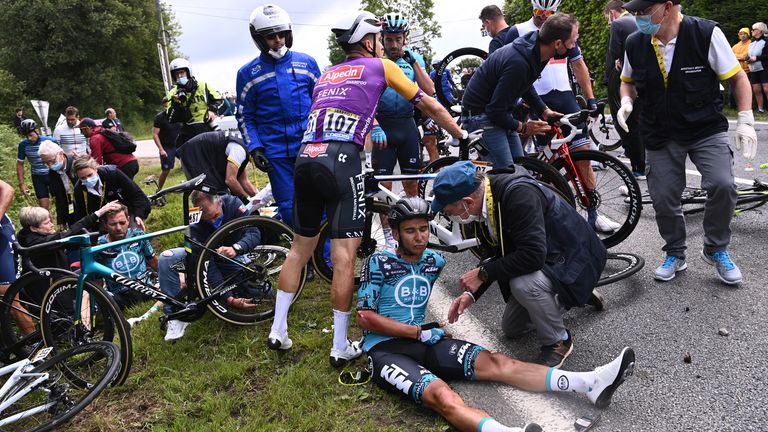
[[273, 101], [446, 83], [232, 208]]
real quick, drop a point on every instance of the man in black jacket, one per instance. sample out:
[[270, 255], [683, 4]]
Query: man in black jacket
[[549, 257], [62, 181]]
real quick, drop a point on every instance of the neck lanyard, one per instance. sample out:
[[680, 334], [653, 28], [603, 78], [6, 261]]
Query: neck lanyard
[[660, 59], [492, 218], [103, 195]]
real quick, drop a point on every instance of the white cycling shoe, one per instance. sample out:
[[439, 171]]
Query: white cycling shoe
[[610, 377], [175, 330], [279, 342], [351, 352], [605, 225]]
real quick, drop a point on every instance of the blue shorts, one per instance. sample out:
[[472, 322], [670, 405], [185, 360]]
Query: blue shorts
[[9, 266], [168, 162], [42, 184], [402, 147]]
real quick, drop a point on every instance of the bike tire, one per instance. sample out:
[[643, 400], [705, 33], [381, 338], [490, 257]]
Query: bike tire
[[440, 70], [620, 265], [257, 279], [68, 397], [624, 207], [106, 323], [750, 200], [368, 246], [29, 288]]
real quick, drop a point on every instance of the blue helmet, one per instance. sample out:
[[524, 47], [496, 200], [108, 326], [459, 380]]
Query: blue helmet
[[395, 22]]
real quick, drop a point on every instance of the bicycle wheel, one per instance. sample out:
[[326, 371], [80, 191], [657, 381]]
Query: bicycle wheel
[[603, 131], [100, 320], [620, 265], [616, 194], [58, 398], [464, 56], [750, 200], [28, 290], [368, 246], [253, 274]]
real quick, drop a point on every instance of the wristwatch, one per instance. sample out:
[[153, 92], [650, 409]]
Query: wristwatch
[[483, 274], [238, 249]]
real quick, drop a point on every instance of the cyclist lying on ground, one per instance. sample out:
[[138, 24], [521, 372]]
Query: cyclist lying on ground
[[217, 210], [407, 356]]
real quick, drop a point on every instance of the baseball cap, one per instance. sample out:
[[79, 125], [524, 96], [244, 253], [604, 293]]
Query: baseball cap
[[454, 183], [744, 30], [640, 5], [87, 122]]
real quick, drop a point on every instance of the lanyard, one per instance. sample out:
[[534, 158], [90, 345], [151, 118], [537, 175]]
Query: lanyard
[[660, 59], [85, 197]]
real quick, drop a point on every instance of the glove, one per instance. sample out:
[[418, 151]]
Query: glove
[[455, 142], [430, 125], [409, 57], [624, 112], [378, 136], [592, 104], [260, 161], [746, 138], [431, 336]]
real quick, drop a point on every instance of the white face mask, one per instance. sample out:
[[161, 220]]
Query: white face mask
[[463, 221], [278, 54]]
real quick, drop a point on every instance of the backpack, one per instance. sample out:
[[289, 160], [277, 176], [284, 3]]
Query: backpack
[[121, 141]]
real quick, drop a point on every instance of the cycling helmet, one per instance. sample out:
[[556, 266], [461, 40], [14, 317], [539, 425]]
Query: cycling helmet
[[179, 64], [550, 5], [27, 126], [353, 28], [395, 22], [435, 61], [267, 20], [408, 208]]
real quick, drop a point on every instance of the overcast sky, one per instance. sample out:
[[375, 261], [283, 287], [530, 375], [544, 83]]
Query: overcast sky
[[216, 40]]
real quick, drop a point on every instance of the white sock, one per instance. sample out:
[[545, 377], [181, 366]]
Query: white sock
[[282, 304], [368, 158], [566, 381], [490, 425], [340, 323]]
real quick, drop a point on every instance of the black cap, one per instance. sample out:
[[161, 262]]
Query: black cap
[[641, 5]]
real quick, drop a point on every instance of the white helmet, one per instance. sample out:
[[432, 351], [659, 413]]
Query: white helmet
[[267, 20], [352, 28], [550, 5], [178, 64]]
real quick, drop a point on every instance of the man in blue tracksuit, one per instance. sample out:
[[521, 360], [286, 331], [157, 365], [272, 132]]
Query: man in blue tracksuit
[[274, 94]]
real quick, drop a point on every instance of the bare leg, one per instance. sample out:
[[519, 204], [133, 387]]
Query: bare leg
[[19, 313], [295, 261], [343, 253], [498, 367], [430, 143], [758, 91], [439, 397], [161, 180], [44, 202]]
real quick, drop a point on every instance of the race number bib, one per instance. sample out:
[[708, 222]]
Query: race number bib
[[337, 125], [194, 215]]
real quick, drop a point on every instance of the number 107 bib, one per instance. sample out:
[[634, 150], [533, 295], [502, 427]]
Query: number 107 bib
[[337, 125]]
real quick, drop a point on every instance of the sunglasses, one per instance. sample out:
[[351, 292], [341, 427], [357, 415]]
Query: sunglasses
[[545, 12]]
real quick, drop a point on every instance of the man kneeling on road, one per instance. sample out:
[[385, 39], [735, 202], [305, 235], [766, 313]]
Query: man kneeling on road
[[549, 256], [407, 356]]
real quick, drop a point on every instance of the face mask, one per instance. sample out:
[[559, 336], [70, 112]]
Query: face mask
[[646, 26], [559, 56], [91, 181], [462, 221], [182, 81], [278, 54], [58, 166]]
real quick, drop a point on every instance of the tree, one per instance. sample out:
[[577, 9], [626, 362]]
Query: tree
[[420, 16]]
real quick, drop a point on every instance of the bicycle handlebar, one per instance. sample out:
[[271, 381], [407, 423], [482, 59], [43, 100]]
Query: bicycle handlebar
[[570, 120], [25, 252], [190, 184]]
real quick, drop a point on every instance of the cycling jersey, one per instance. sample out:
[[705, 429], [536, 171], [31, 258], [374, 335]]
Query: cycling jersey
[[346, 96], [129, 259], [29, 150], [9, 266], [71, 140], [397, 289], [209, 153], [391, 103]]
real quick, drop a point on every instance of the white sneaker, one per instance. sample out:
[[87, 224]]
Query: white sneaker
[[624, 190], [610, 377], [279, 342], [350, 352], [605, 225], [176, 329]]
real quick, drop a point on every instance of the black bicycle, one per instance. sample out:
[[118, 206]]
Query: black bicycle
[[747, 198]]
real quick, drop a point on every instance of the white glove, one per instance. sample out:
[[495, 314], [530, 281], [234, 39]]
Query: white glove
[[624, 112], [746, 138], [454, 142]]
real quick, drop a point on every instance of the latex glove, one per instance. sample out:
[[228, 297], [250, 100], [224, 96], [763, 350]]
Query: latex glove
[[409, 57], [431, 336], [379, 137], [746, 138], [455, 142], [592, 104], [260, 161], [624, 112]]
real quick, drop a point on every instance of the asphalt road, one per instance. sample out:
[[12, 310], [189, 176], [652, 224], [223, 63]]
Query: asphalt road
[[723, 388]]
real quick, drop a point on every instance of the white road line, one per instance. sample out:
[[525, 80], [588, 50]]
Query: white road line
[[746, 182], [541, 408]]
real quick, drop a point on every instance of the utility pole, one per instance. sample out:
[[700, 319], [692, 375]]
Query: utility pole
[[162, 49]]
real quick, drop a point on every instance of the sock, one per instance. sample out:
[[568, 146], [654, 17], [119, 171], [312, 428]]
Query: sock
[[282, 304], [566, 381], [368, 159], [490, 425], [340, 323]]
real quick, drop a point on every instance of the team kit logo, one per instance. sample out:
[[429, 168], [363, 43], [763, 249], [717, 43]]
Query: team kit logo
[[342, 74], [315, 150], [126, 262]]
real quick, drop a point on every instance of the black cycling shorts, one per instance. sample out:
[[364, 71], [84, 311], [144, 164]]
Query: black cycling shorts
[[402, 146], [407, 366], [328, 176]]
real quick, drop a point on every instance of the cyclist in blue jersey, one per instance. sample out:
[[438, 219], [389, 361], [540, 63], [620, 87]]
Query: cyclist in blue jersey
[[28, 150], [274, 93], [9, 267], [409, 357]]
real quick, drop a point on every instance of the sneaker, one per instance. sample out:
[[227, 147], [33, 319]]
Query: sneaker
[[610, 377], [350, 352], [624, 191], [727, 271], [596, 300], [176, 329], [669, 268], [279, 342], [554, 355], [639, 175], [604, 225]]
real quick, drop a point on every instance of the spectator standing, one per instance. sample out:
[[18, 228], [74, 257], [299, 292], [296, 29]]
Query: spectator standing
[[69, 136], [758, 64], [495, 25], [164, 134], [62, 182], [112, 122], [741, 48], [18, 118], [28, 148], [103, 151]]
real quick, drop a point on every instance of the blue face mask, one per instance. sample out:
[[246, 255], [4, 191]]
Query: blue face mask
[[91, 181], [58, 166], [646, 26], [182, 81]]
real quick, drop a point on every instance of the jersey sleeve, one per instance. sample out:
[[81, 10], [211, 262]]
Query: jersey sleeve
[[22, 154], [397, 80], [721, 58], [371, 279], [575, 53], [236, 154]]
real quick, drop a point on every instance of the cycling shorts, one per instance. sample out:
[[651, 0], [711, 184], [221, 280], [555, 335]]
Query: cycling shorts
[[328, 176], [402, 146], [9, 265], [41, 184], [407, 366], [563, 102], [168, 162]]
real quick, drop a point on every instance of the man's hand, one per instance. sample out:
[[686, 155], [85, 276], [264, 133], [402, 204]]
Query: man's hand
[[746, 138], [431, 336], [617, 65], [260, 161], [459, 305], [140, 223], [227, 251], [536, 127], [455, 142], [548, 113], [592, 104], [241, 303], [378, 137], [162, 152], [409, 57], [430, 125], [624, 112], [24, 189], [470, 281]]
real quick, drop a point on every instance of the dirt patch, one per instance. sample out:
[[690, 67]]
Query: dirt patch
[[116, 410]]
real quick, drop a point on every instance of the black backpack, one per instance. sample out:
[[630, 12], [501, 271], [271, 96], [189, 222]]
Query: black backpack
[[121, 141]]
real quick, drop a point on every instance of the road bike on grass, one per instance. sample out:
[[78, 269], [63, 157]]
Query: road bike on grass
[[74, 310], [45, 390]]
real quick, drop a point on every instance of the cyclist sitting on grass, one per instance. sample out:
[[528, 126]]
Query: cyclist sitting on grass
[[407, 356], [217, 210]]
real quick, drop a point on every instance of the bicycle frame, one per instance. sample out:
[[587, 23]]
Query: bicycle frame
[[556, 149], [18, 371]]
